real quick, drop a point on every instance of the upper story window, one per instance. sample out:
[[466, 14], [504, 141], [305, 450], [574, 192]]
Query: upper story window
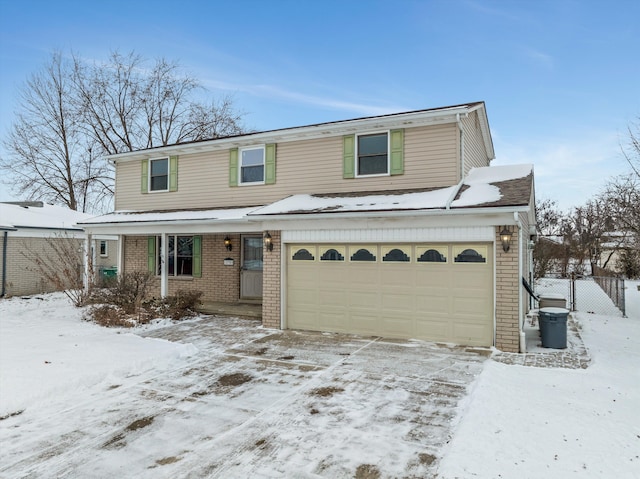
[[159, 174], [373, 154], [252, 165]]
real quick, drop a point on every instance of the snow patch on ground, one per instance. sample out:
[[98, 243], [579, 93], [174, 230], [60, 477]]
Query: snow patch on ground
[[47, 349], [261, 403], [532, 422]]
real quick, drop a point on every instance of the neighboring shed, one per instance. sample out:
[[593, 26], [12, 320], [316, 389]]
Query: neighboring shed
[[28, 230]]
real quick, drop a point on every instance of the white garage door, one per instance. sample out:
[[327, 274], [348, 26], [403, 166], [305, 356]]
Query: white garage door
[[435, 292]]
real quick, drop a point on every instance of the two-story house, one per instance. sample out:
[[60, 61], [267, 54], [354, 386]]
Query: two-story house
[[393, 225]]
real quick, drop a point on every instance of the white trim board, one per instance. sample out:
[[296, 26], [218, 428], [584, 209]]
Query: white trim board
[[380, 235]]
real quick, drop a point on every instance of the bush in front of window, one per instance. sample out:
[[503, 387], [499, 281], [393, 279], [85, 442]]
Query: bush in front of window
[[126, 303]]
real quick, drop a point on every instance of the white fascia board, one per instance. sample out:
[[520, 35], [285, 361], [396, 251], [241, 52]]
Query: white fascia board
[[100, 237], [174, 227], [504, 213], [406, 120], [484, 129], [46, 233]]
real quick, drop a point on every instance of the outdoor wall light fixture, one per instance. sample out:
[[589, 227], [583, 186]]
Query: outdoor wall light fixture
[[505, 238], [268, 242], [227, 243]]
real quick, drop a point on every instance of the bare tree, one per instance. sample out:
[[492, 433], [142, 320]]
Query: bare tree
[[49, 157], [72, 114], [632, 151], [59, 261], [127, 107], [589, 225], [621, 196], [548, 249]]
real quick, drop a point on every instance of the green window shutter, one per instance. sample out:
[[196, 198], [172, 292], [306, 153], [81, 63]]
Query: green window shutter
[[397, 152], [270, 164], [151, 254], [197, 257], [173, 173], [233, 167], [144, 176], [348, 156]]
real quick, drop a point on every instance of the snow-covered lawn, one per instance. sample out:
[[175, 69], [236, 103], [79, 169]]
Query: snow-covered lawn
[[557, 423], [226, 398], [46, 350]]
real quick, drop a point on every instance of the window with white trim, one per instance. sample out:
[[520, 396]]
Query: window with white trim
[[103, 248], [372, 154], [179, 255], [251, 165], [159, 174]]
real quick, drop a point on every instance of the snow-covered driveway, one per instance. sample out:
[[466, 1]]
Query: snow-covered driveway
[[252, 403]]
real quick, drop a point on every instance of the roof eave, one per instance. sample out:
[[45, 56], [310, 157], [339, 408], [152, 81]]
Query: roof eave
[[478, 210], [397, 120]]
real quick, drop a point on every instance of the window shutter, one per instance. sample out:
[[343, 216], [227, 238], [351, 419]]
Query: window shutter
[[197, 257], [144, 176], [233, 167], [151, 254], [270, 164], [173, 173], [348, 156], [397, 152]]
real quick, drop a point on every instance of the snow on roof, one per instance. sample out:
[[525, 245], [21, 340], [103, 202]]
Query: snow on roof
[[479, 190], [220, 214], [480, 185], [45, 216], [496, 174], [372, 202]]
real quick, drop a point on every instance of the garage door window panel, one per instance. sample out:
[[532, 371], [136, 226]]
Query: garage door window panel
[[304, 253], [395, 255], [363, 254], [470, 255], [333, 253], [431, 254]]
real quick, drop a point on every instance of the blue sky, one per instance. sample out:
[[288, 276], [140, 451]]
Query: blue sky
[[560, 78]]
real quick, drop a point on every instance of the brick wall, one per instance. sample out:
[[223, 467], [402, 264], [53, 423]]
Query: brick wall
[[271, 306], [525, 258], [23, 275], [507, 289], [218, 282]]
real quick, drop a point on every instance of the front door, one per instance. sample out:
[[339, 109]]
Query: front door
[[251, 268]]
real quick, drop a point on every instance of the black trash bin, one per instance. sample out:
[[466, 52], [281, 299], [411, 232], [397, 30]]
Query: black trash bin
[[553, 327]]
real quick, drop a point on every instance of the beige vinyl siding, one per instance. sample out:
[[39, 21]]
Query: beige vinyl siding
[[475, 153], [306, 166]]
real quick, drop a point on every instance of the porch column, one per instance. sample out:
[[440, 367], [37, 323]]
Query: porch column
[[88, 261], [120, 258], [164, 261]]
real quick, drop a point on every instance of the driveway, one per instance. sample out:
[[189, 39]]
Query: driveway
[[258, 403]]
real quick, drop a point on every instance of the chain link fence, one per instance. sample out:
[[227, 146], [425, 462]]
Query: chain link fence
[[591, 294]]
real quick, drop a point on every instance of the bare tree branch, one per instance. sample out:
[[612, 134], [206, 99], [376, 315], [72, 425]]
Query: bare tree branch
[[72, 114]]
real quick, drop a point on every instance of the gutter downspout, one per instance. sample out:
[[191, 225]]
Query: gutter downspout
[[523, 339], [461, 182], [462, 164], [453, 194], [4, 264]]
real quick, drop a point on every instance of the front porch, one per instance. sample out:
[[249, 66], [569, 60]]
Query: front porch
[[252, 310]]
